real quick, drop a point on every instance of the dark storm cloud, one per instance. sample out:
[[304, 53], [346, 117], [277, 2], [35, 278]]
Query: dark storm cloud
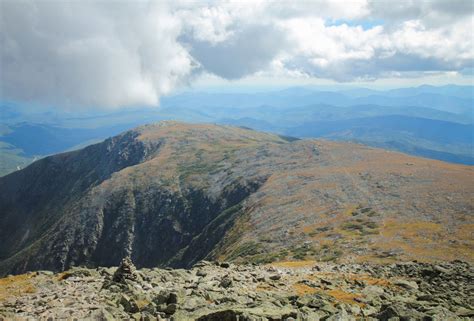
[[246, 52]]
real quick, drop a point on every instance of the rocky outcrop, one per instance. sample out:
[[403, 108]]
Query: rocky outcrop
[[212, 291]]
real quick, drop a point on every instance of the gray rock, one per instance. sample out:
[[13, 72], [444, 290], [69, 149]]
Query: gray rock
[[77, 272], [341, 315], [409, 285], [172, 298], [440, 269], [171, 308], [463, 312], [129, 304], [202, 263], [102, 314], [192, 303], [201, 273], [388, 313], [161, 297], [44, 272], [225, 282]]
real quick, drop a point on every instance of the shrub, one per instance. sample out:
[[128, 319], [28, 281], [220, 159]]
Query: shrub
[[352, 226]]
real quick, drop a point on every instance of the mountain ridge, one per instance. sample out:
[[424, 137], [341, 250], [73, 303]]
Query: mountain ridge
[[171, 194]]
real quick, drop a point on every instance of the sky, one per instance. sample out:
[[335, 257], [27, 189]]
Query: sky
[[115, 54]]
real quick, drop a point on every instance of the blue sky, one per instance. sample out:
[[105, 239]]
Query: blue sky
[[117, 54], [366, 23]]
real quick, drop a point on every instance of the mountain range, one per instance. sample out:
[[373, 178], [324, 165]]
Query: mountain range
[[427, 121], [172, 194]]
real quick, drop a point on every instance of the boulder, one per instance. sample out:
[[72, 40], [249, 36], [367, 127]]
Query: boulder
[[225, 282], [129, 304], [409, 285]]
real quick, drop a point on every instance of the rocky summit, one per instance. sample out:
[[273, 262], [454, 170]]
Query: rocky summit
[[171, 194], [211, 291], [303, 230]]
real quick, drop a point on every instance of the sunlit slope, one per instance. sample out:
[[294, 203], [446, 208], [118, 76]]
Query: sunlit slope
[[173, 193]]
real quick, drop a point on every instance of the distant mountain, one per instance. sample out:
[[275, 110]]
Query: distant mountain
[[39, 131], [417, 97], [435, 101], [437, 139], [447, 90], [171, 194], [37, 139], [434, 130], [22, 143]]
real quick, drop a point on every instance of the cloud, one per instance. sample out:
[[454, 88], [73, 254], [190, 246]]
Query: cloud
[[433, 12], [243, 53], [113, 54], [90, 53], [348, 53]]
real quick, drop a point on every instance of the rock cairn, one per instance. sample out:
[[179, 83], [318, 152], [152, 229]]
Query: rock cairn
[[126, 271]]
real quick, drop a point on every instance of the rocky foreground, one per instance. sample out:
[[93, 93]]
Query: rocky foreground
[[223, 291]]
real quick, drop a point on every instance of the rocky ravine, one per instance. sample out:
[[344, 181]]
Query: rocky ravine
[[227, 292]]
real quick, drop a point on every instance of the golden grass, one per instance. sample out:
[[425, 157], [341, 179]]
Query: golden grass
[[350, 209], [344, 297], [427, 241], [303, 289], [16, 285], [263, 287], [413, 229], [373, 258], [370, 280], [294, 264], [466, 232]]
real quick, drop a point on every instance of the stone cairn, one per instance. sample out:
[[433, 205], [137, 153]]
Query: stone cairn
[[126, 271]]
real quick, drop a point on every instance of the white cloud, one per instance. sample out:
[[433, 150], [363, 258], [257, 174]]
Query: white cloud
[[114, 54], [90, 53], [347, 53]]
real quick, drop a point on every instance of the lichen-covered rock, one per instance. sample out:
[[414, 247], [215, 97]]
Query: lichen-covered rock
[[331, 292]]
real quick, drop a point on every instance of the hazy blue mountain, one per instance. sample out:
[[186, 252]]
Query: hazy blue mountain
[[413, 149], [442, 131], [430, 121], [287, 116], [447, 90], [292, 97], [37, 139], [423, 137], [435, 101]]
